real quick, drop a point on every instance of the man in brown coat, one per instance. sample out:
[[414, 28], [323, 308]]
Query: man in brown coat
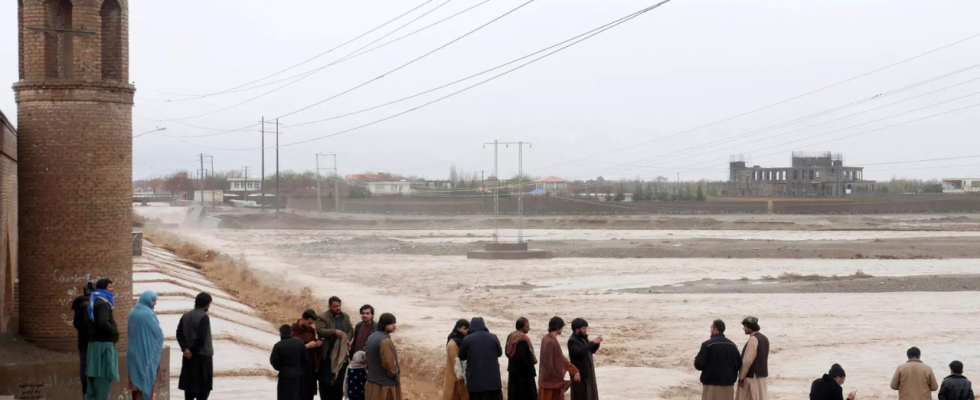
[[914, 380], [332, 327]]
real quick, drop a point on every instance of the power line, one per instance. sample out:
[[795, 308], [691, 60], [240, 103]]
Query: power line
[[602, 27], [311, 58], [751, 133], [778, 102], [849, 136], [511, 11], [358, 86], [354, 54], [592, 33]]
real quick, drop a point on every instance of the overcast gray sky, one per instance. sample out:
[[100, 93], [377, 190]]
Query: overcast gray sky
[[597, 108]]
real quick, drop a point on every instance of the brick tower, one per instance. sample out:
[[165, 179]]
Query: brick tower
[[74, 113]]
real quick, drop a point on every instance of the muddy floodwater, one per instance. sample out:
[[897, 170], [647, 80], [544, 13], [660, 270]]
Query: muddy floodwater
[[650, 339]]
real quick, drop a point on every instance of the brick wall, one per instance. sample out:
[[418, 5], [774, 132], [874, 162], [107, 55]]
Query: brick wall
[[75, 169], [8, 225]]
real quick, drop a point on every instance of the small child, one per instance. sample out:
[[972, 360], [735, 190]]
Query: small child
[[356, 377], [956, 386]]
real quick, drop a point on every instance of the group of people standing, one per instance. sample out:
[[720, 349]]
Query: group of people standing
[[326, 351], [360, 362], [98, 335], [726, 373], [473, 369]]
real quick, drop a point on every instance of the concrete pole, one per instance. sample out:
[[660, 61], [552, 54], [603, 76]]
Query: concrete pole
[[262, 178], [319, 203], [336, 186]]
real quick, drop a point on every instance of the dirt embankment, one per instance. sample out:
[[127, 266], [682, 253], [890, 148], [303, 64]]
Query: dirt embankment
[[921, 248], [849, 284], [281, 306]]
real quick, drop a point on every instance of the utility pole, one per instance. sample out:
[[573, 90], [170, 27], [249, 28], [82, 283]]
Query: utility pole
[[496, 189], [245, 190], [277, 165], [319, 203], [678, 195], [211, 158], [262, 180], [336, 182], [520, 187], [202, 179]]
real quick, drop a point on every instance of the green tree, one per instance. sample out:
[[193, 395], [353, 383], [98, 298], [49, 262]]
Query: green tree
[[701, 196], [639, 194], [620, 193]]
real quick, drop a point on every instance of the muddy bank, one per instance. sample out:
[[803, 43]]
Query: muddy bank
[[924, 283], [252, 219], [919, 248]]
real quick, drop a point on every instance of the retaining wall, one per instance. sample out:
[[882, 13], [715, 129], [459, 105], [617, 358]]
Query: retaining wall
[[60, 381]]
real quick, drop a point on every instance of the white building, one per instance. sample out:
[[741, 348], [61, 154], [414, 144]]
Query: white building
[[390, 188], [243, 185], [961, 185]]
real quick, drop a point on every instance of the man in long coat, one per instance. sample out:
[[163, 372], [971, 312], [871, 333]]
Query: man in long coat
[[288, 357], [753, 378], [554, 366], [194, 337], [520, 363], [331, 327], [481, 350], [580, 351]]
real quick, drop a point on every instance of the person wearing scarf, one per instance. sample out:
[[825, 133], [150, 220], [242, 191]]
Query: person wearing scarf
[[520, 363], [551, 379], [145, 347], [454, 387], [103, 359], [80, 308], [356, 376]]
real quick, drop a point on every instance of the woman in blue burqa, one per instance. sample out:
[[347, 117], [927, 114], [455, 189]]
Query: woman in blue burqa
[[145, 347]]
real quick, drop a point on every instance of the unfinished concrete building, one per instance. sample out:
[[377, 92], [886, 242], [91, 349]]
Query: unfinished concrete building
[[811, 175]]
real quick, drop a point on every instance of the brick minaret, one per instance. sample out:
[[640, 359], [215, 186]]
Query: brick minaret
[[74, 114]]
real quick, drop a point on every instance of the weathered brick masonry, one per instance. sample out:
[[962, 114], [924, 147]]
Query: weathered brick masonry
[[8, 225], [75, 151]]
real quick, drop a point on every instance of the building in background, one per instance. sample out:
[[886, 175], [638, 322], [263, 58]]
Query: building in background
[[961, 185], [810, 175], [236, 185], [551, 184], [389, 188]]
